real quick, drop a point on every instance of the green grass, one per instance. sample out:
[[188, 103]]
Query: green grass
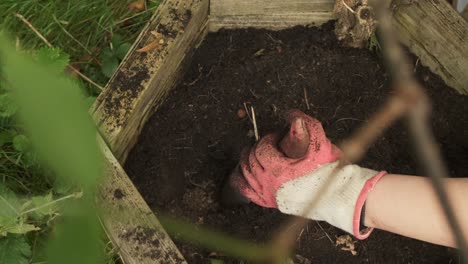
[[92, 36], [81, 29]]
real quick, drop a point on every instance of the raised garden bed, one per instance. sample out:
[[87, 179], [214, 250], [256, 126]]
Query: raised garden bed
[[192, 142]]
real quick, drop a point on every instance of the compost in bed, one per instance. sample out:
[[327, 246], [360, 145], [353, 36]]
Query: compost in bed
[[193, 141]]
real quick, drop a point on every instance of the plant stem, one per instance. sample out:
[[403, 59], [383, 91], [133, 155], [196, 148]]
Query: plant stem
[[73, 195]]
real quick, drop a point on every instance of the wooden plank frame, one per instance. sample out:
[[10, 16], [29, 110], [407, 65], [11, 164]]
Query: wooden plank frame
[[121, 110], [144, 78], [273, 15]]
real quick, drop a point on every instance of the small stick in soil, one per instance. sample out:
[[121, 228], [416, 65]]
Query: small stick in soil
[[77, 72], [247, 111], [329, 238], [275, 40], [349, 8], [254, 121], [306, 99], [198, 78]]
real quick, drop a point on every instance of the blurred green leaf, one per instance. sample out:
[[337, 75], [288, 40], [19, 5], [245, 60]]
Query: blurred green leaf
[[111, 56], [116, 41], [62, 133], [215, 241], [216, 261], [66, 140], [122, 50], [89, 101], [6, 136], [10, 220], [8, 107], [9, 203], [109, 65], [6, 223], [29, 159], [21, 143], [54, 58], [44, 205], [79, 235], [14, 249], [20, 227]]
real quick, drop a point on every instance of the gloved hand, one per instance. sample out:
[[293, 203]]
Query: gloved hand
[[288, 178]]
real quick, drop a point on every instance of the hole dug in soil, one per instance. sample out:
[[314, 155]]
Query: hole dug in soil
[[194, 139]]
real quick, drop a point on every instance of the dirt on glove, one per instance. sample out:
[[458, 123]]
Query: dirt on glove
[[194, 140]]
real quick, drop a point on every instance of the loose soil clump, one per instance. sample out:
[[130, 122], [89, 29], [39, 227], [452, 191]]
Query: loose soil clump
[[194, 139]]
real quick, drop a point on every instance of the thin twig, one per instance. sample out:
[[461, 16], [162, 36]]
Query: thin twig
[[329, 238], [84, 77], [349, 8], [254, 121], [421, 131], [70, 35], [73, 195], [33, 29], [349, 118], [408, 98], [306, 99], [275, 40], [247, 112]]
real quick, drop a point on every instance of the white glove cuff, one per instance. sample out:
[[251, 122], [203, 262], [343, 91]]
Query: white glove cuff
[[340, 205]]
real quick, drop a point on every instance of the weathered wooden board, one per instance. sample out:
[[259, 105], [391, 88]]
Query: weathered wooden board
[[121, 110], [129, 222], [272, 14], [142, 79], [438, 35]]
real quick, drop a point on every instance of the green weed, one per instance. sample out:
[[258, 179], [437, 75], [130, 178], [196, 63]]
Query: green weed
[[374, 44], [93, 36], [65, 142], [82, 29]]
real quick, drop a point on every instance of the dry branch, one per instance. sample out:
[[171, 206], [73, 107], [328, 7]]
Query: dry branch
[[410, 99], [77, 72], [421, 132]]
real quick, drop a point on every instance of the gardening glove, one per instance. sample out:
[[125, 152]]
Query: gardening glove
[[287, 179]]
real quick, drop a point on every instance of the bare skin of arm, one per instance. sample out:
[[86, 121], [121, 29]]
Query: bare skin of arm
[[408, 205]]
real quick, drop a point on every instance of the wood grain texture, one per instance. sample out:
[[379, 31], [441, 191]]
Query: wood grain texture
[[121, 110], [142, 79], [438, 35], [129, 222], [273, 14]]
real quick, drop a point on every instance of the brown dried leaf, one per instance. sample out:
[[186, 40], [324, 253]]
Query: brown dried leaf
[[151, 46], [137, 6], [155, 44], [348, 244]]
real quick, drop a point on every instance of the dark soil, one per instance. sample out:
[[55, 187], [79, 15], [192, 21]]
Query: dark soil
[[193, 141]]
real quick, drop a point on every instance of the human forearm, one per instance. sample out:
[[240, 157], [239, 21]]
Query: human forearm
[[407, 205]]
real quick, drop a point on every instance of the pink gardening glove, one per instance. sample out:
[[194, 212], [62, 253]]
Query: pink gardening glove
[[287, 173], [265, 167]]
